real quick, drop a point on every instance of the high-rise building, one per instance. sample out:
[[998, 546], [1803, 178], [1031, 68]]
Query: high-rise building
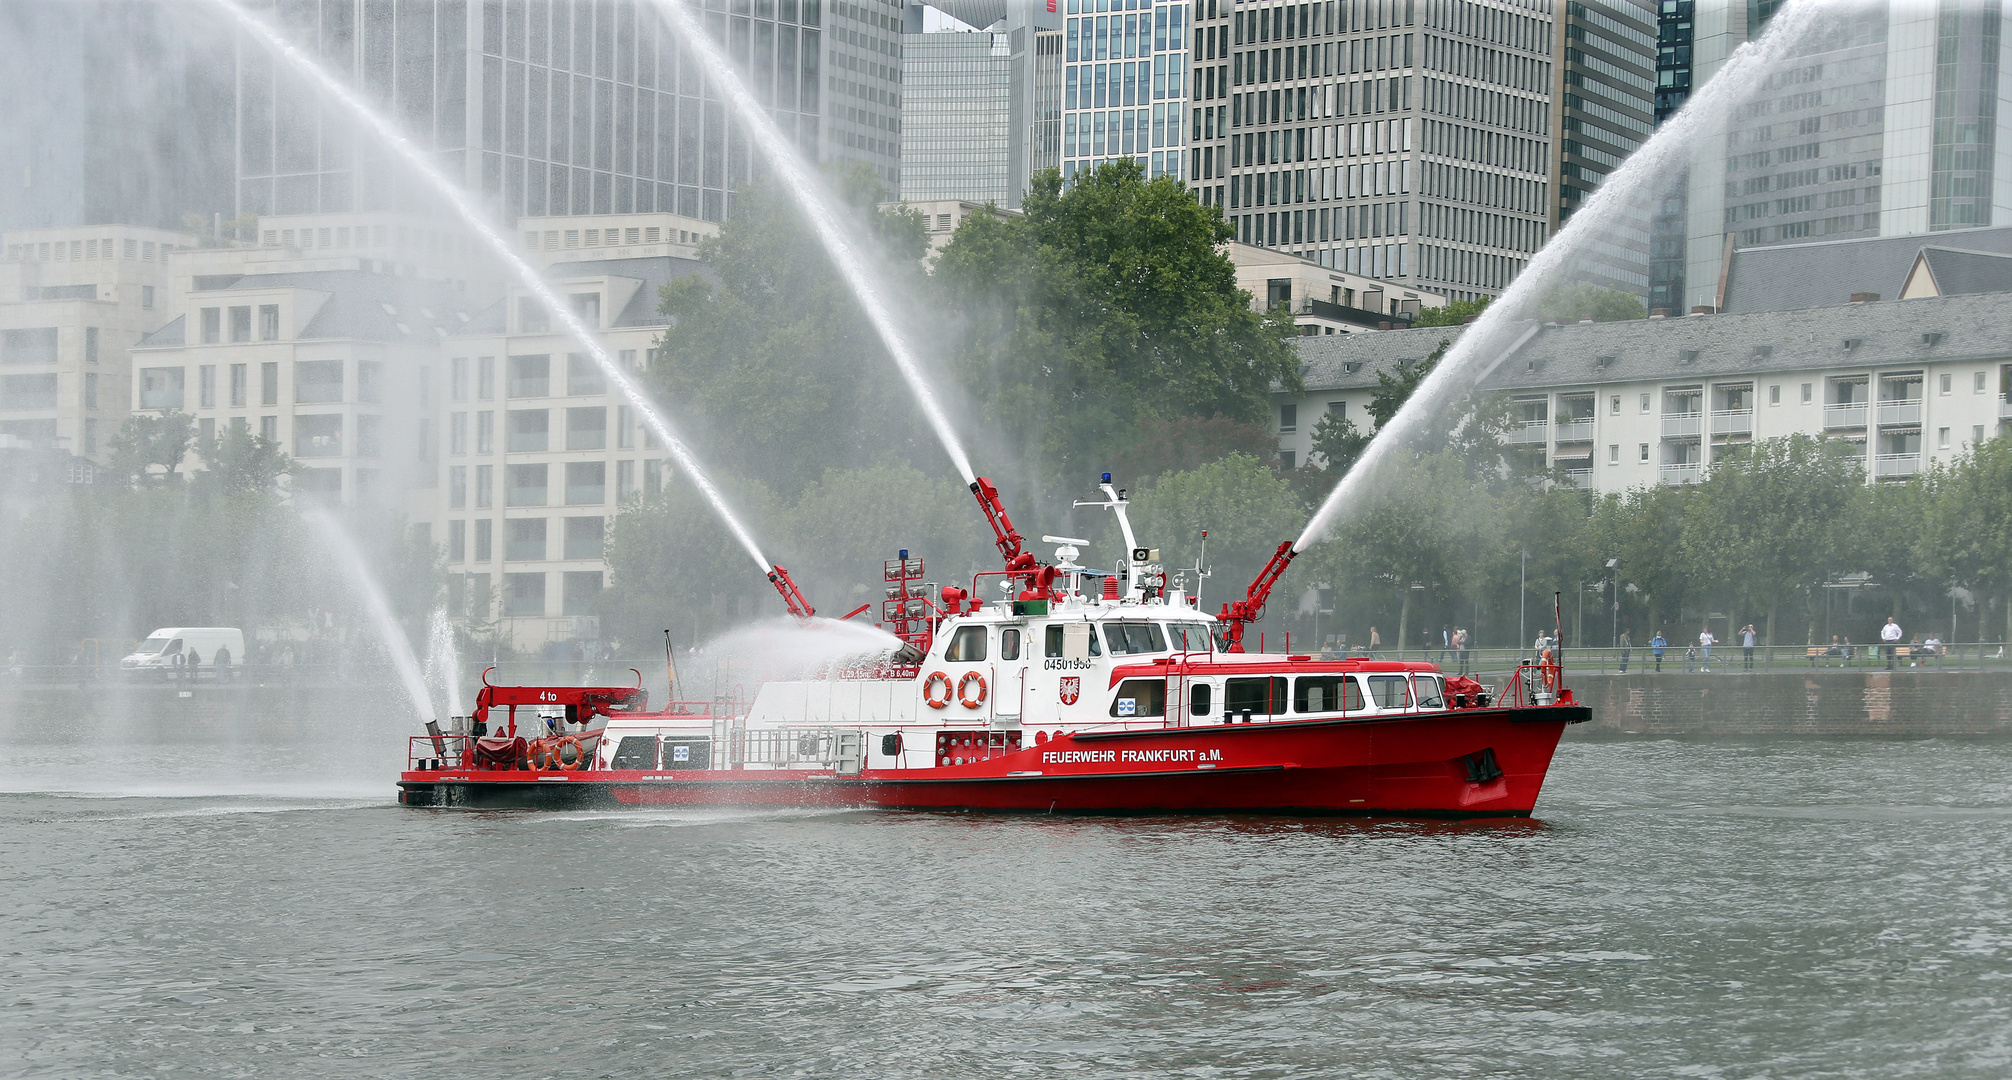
[[981, 100], [1606, 107], [1884, 123], [118, 111], [1407, 140], [561, 107], [1125, 84]]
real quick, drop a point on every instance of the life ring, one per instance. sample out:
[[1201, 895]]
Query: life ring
[[1548, 672], [964, 683], [579, 754], [929, 693]]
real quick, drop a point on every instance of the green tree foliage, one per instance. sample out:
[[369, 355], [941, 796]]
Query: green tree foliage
[[1245, 508], [770, 360], [147, 440], [1453, 314], [241, 462], [1104, 310], [849, 522], [674, 566], [1965, 533], [1571, 302]]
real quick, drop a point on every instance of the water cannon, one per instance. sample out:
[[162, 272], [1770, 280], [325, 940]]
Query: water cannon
[[1005, 537], [1239, 614], [792, 597]]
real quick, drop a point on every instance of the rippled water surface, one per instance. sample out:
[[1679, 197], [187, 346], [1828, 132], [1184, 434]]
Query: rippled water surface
[[1695, 909]]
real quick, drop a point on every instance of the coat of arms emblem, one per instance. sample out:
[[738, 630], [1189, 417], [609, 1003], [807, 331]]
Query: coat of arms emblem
[[1072, 689]]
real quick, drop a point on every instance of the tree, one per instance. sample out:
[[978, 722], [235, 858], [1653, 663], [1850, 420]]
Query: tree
[[1105, 309], [1453, 314], [146, 440], [776, 370], [850, 521], [1339, 443], [1569, 303], [1245, 508], [673, 565], [1762, 530], [1966, 528], [241, 462]]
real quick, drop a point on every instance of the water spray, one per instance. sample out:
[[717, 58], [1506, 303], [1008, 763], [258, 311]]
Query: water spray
[[1486, 341], [334, 89], [851, 263], [378, 607]]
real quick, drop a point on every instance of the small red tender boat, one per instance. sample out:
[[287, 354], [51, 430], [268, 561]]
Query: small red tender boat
[[1124, 699]]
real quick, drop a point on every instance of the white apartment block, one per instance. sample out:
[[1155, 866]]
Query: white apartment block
[[1660, 401], [539, 450], [72, 302], [1323, 300]]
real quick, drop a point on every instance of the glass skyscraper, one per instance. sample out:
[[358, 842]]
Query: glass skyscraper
[[1125, 84]]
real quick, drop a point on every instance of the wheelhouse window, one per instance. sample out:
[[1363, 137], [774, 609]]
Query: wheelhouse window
[[1009, 644], [1430, 695], [1140, 697], [1189, 637], [1052, 640], [1258, 696], [1325, 693], [1127, 638], [1390, 691], [967, 645]]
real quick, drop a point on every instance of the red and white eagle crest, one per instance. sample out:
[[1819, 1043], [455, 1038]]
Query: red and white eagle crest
[[1072, 689]]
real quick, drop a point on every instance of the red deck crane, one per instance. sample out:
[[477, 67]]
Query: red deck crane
[[1238, 614]]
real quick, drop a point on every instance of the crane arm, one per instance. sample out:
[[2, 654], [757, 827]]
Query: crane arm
[[1238, 614]]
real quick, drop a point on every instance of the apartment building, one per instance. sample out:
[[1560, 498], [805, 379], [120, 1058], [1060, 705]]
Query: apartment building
[[1322, 300], [1662, 400], [1409, 140], [339, 366], [539, 450], [554, 109], [73, 302], [1126, 83]]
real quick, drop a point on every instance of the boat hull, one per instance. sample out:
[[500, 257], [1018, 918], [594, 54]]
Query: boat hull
[[1461, 763]]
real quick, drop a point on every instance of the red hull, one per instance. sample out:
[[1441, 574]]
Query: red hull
[[1472, 762]]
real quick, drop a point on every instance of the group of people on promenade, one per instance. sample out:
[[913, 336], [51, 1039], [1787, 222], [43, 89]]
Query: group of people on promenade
[[1453, 644]]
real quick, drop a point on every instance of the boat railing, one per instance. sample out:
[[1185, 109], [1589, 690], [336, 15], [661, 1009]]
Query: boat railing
[[439, 751], [842, 749], [1530, 684]]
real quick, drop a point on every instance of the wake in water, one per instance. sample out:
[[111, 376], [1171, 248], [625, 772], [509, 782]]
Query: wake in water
[[1506, 322]]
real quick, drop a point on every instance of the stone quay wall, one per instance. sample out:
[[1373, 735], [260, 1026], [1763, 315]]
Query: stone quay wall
[[1873, 702]]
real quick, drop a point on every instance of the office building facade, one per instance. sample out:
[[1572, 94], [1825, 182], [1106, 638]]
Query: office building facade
[[981, 105], [1407, 140], [1125, 84], [551, 107], [1606, 109]]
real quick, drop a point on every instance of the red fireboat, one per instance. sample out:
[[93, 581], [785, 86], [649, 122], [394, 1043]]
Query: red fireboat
[[1084, 691]]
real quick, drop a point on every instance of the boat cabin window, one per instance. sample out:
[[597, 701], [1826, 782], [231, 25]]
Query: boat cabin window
[[1052, 645], [1325, 693], [1390, 691], [1140, 697], [635, 752], [1199, 699], [1262, 696], [1130, 638], [1429, 694], [1189, 637], [1009, 644], [968, 644]]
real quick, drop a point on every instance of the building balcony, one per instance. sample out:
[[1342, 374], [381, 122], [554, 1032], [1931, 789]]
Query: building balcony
[[1529, 432], [2005, 407], [1683, 425], [1733, 422], [1844, 417], [1899, 414], [1575, 430], [1889, 465], [1579, 475], [1679, 475]]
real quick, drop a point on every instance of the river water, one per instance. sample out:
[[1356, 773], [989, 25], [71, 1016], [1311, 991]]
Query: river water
[[1684, 909]]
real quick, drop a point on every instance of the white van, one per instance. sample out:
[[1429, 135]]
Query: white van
[[166, 651]]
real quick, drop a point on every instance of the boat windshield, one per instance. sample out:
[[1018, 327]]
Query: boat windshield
[[1128, 638], [1189, 637], [153, 645]]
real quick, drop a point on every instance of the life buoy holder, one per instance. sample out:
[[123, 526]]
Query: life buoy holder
[[1547, 671], [964, 684], [929, 695], [579, 755]]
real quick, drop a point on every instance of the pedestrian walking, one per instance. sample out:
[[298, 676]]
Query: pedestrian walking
[[1656, 646], [1890, 635], [1705, 643], [1747, 644], [1375, 642], [1460, 647], [1627, 646]]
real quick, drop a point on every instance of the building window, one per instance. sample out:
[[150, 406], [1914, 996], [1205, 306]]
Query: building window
[[240, 324], [1644, 453], [587, 429], [370, 382], [1614, 453], [457, 433], [268, 322], [527, 485], [530, 376], [90, 390], [586, 483], [584, 376], [588, 307], [457, 541], [1615, 408], [485, 483], [206, 386], [317, 381], [38, 391], [213, 325], [484, 529], [524, 539], [240, 384], [457, 487], [317, 436], [146, 295], [485, 379], [1945, 384], [530, 430], [1977, 384], [1288, 417], [458, 378], [1645, 403], [1942, 435], [268, 378], [32, 346], [625, 479], [485, 432], [1806, 393], [1774, 395], [90, 344], [531, 317], [625, 428], [583, 537], [161, 388], [268, 429], [523, 594]]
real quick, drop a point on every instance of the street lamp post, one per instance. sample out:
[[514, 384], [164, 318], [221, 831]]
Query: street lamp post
[[1523, 603], [1615, 566]]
